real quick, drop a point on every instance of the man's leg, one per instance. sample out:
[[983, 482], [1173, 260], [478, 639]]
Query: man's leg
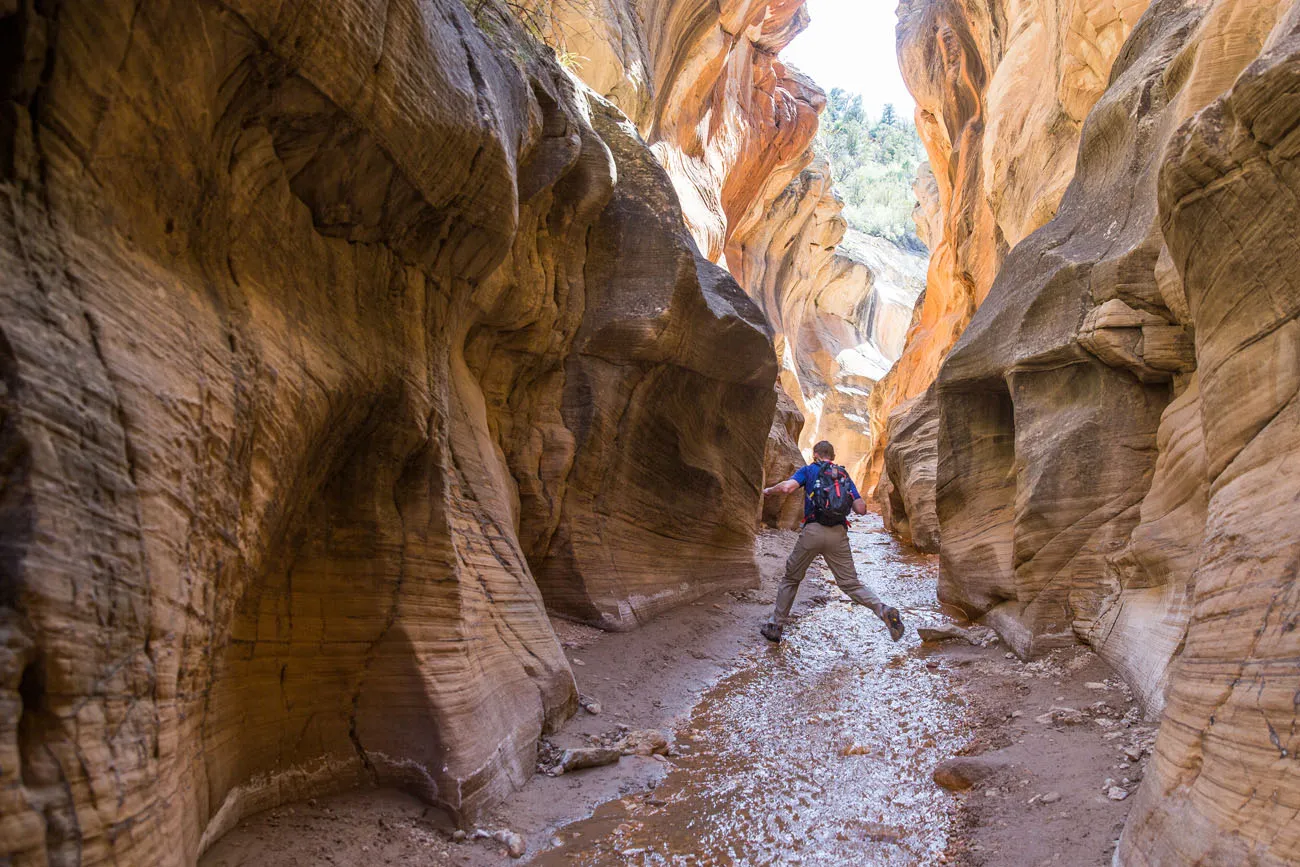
[[839, 556], [800, 559]]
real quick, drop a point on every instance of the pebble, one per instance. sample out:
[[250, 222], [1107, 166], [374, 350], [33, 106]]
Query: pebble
[[577, 661], [1116, 793], [1051, 797], [458, 836], [1092, 684], [644, 742]]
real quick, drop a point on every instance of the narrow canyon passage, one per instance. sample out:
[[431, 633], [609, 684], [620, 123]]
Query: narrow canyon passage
[[819, 751], [393, 395], [816, 751]]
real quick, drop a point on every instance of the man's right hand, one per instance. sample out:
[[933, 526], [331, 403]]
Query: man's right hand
[[786, 487]]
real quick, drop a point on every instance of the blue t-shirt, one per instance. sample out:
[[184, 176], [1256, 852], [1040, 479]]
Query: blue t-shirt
[[806, 476]]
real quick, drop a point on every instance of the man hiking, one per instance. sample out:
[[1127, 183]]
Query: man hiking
[[829, 496]]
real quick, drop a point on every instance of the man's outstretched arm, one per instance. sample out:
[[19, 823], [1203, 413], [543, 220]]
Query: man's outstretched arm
[[789, 486]]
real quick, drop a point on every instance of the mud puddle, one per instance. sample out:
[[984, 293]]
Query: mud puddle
[[817, 751]]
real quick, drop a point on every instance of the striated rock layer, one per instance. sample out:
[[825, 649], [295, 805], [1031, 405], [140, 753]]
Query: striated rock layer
[[1116, 428], [912, 459], [324, 330]]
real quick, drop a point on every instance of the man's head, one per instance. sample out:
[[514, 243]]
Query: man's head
[[824, 451]]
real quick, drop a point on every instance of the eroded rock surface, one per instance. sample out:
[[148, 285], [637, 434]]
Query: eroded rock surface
[[840, 303], [325, 329], [781, 460], [1117, 425], [734, 127], [1002, 90], [912, 458]]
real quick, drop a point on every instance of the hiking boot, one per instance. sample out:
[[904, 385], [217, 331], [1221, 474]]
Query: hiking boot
[[771, 632], [894, 621]]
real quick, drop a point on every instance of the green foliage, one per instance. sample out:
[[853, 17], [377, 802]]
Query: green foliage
[[873, 164]]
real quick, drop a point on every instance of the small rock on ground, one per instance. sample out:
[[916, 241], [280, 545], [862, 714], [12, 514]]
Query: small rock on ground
[[962, 772], [947, 632], [514, 843], [644, 742]]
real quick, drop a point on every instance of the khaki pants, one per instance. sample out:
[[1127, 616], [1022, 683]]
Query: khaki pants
[[833, 544]]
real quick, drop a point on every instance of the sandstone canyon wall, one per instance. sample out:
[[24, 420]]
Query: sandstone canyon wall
[[734, 128], [840, 303], [1115, 432], [1002, 89], [336, 339]]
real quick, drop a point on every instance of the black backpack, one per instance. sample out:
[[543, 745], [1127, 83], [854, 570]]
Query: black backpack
[[832, 495]]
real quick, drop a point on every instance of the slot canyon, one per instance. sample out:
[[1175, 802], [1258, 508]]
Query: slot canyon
[[387, 386]]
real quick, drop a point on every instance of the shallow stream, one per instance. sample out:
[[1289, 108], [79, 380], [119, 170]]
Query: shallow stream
[[816, 752]]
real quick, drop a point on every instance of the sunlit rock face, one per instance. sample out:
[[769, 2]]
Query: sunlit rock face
[[728, 120], [1116, 428], [733, 126], [840, 303], [1002, 89], [325, 330]]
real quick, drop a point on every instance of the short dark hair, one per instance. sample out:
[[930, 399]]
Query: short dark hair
[[824, 449]]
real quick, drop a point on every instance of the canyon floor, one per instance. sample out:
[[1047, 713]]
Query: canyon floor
[[818, 751]]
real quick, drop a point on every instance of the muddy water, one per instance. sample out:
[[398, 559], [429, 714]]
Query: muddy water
[[816, 752]]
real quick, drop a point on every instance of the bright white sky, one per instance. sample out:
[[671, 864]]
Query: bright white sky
[[850, 44]]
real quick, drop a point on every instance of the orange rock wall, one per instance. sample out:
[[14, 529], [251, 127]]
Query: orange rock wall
[[734, 128]]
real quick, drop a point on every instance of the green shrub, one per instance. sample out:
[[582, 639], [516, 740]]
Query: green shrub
[[873, 164]]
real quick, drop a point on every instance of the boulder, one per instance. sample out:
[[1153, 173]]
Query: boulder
[[644, 742]]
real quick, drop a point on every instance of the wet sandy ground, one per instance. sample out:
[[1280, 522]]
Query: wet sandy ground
[[818, 751]]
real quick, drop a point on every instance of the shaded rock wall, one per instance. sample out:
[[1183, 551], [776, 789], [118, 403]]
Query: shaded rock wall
[[325, 328], [1117, 425], [911, 459], [781, 460]]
